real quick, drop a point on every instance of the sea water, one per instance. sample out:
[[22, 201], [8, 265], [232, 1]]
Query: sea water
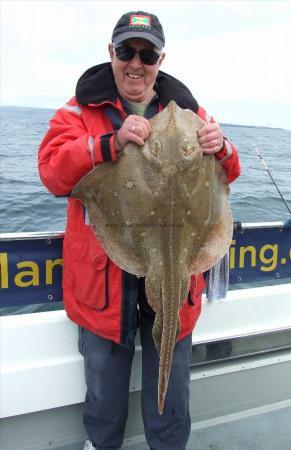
[[26, 205]]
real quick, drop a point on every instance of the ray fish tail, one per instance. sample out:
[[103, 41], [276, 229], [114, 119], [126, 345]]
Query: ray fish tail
[[170, 331]]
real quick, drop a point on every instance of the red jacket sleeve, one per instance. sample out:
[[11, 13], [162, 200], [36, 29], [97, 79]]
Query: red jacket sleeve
[[228, 155], [68, 151]]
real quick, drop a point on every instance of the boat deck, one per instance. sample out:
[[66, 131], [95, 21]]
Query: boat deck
[[259, 429]]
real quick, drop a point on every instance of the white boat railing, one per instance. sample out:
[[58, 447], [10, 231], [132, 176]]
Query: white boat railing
[[30, 235]]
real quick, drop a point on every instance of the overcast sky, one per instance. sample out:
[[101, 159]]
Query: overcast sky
[[234, 55]]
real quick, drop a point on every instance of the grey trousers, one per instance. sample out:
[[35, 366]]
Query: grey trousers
[[107, 373]]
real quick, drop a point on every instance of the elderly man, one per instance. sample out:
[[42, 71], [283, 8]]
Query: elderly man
[[112, 106]]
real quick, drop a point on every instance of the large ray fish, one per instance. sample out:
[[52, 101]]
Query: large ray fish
[[162, 212]]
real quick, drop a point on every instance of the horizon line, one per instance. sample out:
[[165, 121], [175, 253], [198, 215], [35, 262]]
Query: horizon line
[[220, 123]]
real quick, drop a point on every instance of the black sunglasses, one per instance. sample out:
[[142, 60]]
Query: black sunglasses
[[147, 56]]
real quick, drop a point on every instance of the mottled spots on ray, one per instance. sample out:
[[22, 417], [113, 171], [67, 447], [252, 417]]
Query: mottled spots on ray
[[129, 184]]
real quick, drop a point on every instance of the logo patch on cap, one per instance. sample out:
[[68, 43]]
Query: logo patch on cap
[[140, 21]]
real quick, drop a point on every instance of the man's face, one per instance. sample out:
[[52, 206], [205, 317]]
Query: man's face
[[135, 80]]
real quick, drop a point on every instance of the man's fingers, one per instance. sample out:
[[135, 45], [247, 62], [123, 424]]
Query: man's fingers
[[134, 129], [131, 136], [208, 128], [209, 150], [134, 121], [136, 139], [141, 122], [212, 144], [213, 136], [140, 130]]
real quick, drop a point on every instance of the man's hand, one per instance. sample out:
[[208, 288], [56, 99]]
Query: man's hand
[[211, 138], [134, 129]]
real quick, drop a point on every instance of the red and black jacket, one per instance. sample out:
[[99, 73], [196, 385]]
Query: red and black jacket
[[97, 294]]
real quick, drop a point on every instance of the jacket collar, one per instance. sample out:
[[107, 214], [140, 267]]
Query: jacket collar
[[97, 85]]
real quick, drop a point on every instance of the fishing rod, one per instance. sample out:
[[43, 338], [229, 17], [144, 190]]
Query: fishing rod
[[267, 169]]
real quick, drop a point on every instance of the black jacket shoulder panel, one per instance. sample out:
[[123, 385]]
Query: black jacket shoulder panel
[[169, 88], [96, 85]]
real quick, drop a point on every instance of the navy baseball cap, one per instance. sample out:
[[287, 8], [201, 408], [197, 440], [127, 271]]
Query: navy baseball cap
[[139, 24]]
